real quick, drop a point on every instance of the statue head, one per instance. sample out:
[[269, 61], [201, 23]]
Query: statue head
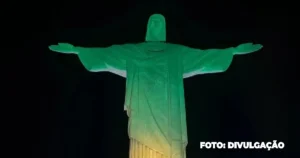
[[156, 28]]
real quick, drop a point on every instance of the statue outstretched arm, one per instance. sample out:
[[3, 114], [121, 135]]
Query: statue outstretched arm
[[196, 61], [112, 59]]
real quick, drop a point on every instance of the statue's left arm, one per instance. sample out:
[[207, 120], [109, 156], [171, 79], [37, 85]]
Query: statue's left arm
[[112, 58], [196, 61]]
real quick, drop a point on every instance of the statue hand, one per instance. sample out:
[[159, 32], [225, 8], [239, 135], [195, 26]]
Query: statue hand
[[247, 48], [64, 48]]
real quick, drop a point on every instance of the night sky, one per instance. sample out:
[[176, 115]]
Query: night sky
[[82, 113]]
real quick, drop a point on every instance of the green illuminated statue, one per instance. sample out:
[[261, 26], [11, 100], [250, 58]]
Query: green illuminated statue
[[154, 70]]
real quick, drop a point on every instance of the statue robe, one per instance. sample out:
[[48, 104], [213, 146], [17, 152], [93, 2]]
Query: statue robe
[[154, 90]]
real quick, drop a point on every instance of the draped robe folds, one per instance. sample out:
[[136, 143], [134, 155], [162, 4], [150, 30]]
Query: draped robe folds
[[154, 90]]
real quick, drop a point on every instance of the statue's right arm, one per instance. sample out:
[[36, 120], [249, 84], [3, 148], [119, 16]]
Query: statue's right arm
[[111, 58]]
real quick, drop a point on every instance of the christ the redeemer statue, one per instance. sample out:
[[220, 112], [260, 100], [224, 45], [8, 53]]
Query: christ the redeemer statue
[[154, 72]]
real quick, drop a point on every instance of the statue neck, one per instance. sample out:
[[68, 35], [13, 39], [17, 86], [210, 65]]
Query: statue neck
[[155, 46]]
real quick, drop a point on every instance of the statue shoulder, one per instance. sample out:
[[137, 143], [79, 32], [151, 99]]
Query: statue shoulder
[[130, 50], [176, 47], [129, 46]]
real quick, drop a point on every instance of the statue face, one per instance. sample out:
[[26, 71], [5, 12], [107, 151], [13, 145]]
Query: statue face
[[156, 29]]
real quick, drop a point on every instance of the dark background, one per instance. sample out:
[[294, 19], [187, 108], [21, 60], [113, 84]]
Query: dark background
[[81, 113]]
